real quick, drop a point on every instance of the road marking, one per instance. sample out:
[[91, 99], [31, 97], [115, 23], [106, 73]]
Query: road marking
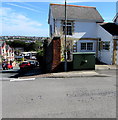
[[19, 79]]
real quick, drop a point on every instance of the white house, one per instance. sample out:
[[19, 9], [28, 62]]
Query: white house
[[85, 31]]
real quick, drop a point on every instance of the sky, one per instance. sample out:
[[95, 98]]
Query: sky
[[31, 18]]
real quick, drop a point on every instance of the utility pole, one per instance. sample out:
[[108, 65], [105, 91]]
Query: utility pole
[[65, 50]]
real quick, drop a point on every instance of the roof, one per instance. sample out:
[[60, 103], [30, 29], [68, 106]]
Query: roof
[[112, 28], [115, 18], [75, 12]]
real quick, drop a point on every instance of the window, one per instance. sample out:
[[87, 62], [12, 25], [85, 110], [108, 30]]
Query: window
[[106, 45], [87, 46], [116, 45], [83, 46], [68, 28]]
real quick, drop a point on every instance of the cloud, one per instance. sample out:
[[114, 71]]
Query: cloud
[[28, 8], [14, 23]]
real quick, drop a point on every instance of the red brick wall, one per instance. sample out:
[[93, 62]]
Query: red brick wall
[[56, 43]]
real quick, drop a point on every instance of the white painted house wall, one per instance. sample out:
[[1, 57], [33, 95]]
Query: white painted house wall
[[51, 23], [81, 29], [105, 56], [85, 30]]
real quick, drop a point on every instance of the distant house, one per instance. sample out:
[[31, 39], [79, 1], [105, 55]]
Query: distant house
[[6, 52], [85, 33]]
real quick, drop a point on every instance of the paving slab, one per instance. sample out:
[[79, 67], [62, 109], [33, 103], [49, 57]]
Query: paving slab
[[106, 67]]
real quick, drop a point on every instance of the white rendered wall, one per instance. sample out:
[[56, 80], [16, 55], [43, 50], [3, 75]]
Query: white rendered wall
[[51, 22], [105, 56], [81, 29], [85, 30]]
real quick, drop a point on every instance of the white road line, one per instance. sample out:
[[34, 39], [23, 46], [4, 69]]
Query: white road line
[[18, 79]]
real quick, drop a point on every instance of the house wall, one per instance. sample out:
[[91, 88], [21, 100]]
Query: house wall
[[85, 30], [4, 54], [105, 56], [51, 24], [81, 29]]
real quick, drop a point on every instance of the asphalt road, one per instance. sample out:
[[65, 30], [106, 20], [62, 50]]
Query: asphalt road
[[82, 97]]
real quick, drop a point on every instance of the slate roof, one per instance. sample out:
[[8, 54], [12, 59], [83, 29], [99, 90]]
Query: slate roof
[[112, 28], [114, 19], [75, 12]]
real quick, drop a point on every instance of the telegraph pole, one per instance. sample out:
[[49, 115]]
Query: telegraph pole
[[65, 50]]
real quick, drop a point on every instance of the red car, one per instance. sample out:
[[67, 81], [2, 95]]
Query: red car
[[7, 66], [24, 64]]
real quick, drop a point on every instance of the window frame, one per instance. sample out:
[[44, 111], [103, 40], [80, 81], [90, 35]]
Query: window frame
[[86, 46], [104, 47], [69, 30]]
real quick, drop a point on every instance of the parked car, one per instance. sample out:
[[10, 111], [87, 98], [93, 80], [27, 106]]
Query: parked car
[[24, 64], [32, 63], [7, 66]]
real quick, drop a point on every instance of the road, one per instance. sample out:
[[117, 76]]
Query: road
[[82, 97]]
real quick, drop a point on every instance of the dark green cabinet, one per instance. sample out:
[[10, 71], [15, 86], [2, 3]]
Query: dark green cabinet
[[84, 61]]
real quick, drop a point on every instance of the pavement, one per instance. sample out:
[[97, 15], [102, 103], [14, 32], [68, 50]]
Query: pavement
[[106, 67], [83, 73]]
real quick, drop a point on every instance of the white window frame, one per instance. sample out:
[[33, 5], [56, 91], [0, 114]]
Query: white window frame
[[86, 49], [67, 25]]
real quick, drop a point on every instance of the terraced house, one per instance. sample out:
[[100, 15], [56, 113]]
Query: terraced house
[[86, 32], [6, 52]]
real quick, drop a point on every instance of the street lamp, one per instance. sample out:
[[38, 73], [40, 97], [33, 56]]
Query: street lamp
[[65, 50]]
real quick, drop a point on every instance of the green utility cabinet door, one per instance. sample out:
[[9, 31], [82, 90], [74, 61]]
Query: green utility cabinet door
[[84, 61]]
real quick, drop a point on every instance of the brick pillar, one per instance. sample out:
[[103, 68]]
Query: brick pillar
[[56, 42]]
